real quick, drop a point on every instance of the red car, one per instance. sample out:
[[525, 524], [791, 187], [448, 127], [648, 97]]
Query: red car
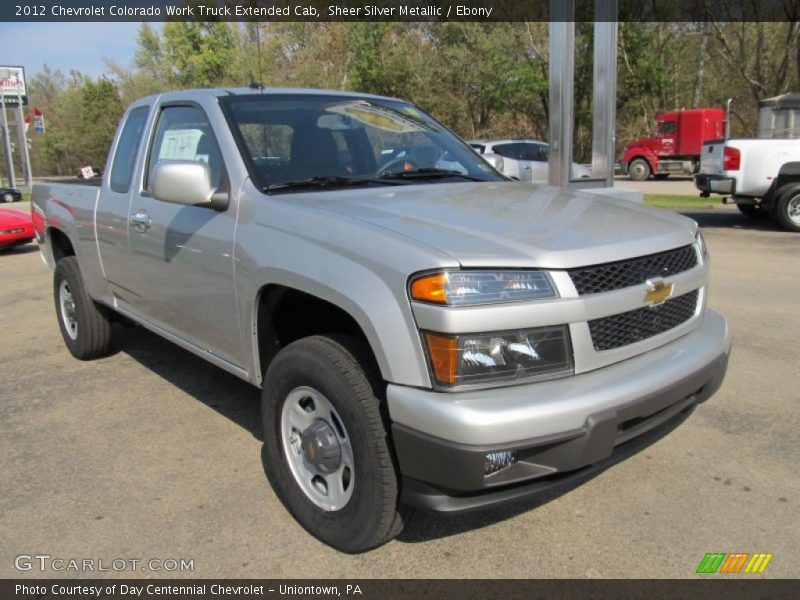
[[16, 228]]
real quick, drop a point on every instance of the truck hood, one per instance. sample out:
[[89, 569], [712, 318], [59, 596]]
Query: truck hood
[[646, 142], [508, 224]]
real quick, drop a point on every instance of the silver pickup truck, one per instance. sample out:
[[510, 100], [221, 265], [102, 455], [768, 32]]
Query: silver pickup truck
[[425, 332]]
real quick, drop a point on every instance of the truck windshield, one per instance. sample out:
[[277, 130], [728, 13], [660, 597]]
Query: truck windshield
[[295, 141]]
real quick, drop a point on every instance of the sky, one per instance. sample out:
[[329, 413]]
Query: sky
[[65, 46]]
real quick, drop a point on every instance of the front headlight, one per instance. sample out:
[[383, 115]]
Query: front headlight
[[467, 288], [499, 358]]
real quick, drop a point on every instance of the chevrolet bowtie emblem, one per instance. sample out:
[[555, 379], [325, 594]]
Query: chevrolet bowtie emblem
[[658, 292]]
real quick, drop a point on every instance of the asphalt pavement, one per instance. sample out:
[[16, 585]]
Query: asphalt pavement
[[152, 454]]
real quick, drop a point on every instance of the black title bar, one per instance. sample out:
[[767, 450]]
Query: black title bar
[[383, 10], [400, 589]]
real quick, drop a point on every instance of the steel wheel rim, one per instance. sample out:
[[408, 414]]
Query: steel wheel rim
[[793, 210], [303, 408], [637, 170], [68, 311]]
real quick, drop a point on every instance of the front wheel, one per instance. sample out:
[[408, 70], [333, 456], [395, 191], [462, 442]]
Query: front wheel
[[8, 197], [639, 169], [85, 326], [786, 211], [326, 444]]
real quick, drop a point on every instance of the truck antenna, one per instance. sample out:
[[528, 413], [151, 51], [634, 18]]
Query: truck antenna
[[260, 74]]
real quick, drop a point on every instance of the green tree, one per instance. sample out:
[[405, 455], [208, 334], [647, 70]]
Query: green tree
[[188, 54]]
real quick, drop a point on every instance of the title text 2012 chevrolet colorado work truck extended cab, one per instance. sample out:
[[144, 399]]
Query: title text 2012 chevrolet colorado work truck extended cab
[[424, 336]]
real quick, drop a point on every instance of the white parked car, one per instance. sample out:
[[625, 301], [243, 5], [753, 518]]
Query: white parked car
[[525, 160]]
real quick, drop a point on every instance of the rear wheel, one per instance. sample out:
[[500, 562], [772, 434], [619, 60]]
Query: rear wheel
[[326, 444], [786, 210], [639, 169], [85, 326]]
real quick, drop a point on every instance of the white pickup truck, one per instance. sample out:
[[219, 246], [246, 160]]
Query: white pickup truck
[[761, 175]]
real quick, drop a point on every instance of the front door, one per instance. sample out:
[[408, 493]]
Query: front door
[[181, 265]]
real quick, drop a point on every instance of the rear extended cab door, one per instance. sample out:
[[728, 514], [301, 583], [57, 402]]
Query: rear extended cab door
[[111, 217]]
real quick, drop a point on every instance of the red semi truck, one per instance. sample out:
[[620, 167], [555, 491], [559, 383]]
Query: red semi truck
[[676, 145]]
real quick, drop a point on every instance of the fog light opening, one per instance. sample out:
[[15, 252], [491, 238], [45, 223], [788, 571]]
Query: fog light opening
[[497, 461]]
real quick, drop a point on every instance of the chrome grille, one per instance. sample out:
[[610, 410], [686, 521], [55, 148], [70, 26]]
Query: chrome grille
[[642, 323], [626, 273]]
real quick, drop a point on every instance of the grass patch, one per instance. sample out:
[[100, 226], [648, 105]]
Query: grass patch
[[683, 202]]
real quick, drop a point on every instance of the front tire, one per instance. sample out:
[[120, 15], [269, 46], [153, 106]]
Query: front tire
[[786, 211], [8, 197], [639, 169], [326, 445], [85, 326]]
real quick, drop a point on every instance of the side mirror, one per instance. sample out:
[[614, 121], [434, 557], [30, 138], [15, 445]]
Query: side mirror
[[186, 182], [495, 160]]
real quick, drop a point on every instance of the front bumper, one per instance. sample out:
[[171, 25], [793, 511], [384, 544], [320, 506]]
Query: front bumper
[[553, 428], [717, 184]]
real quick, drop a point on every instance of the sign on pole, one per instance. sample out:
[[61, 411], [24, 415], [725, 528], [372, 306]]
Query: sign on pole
[[12, 85], [38, 121]]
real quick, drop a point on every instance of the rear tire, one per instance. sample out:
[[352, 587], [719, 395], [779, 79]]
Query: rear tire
[[326, 443], [786, 210], [85, 326], [639, 169]]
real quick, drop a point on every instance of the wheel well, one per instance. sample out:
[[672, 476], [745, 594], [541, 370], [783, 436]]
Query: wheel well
[[60, 246], [789, 173], [286, 315]]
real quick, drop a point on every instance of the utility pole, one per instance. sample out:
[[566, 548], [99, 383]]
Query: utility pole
[[22, 136], [13, 95], [9, 159]]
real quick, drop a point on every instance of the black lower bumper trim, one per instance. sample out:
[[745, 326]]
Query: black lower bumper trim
[[429, 498], [445, 476], [717, 184]]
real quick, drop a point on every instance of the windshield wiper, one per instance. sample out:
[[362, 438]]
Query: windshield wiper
[[326, 181], [429, 174]]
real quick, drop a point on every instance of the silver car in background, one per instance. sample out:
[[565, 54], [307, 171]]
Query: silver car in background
[[523, 159]]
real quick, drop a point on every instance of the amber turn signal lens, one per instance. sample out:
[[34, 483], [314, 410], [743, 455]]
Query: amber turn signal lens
[[443, 352], [431, 288]]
